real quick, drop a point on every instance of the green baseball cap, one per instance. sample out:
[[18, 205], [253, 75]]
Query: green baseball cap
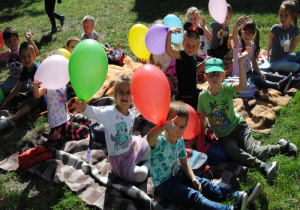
[[214, 64]]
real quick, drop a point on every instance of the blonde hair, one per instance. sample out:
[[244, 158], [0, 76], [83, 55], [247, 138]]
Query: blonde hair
[[290, 6], [123, 79], [192, 10], [88, 18], [179, 109], [72, 38]]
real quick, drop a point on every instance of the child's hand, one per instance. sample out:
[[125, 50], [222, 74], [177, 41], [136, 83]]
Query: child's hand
[[36, 84], [28, 35], [78, 105], [244, 54], [242, 19], [171, 128], [196, 185], [175, 30], [203, 23], [142, 60]]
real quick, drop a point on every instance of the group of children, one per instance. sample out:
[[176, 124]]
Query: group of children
[[162, 151]]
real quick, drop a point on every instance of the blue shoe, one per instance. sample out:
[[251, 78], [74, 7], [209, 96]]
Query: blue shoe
[[62, 20], [52, 31]]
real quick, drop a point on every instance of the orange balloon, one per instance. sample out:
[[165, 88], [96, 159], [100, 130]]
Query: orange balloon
[[193, 126], [151, 93]]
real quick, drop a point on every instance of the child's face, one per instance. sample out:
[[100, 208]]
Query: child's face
[[72, 45], [13, 43], [180, 123], [190, 46], [194, 19], [228, 17], [215, 78], [27, 58], [247, 36], [285, 18], [88, 26], [123, 97]]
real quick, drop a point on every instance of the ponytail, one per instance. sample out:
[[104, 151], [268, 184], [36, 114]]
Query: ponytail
[[256, 44]]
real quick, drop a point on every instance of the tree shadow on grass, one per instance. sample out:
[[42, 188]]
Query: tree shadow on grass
[[9, 9], [149, 11]]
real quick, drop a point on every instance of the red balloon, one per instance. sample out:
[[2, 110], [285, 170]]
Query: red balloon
[[1, 40], [193, 126], [151, 93]]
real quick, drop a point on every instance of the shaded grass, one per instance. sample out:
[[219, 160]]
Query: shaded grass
[[113, 21]]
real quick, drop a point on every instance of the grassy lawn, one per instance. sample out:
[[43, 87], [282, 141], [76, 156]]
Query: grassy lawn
[[114, 19]]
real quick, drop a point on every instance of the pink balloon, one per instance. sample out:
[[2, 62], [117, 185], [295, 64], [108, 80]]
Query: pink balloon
[[53, 72], [151, 93], [218, 10], [193, 126]]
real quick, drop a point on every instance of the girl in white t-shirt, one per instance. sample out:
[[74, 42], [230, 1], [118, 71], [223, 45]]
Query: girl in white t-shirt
[[193, 16], [125, 150]]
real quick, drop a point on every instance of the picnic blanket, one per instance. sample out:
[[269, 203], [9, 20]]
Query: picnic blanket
[[259, 112], [96, 184]]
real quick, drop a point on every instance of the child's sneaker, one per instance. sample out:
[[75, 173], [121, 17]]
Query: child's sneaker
[[62, 20], [285, 83], [5, 122], [241, 202], [253, 193], [288, 148], [269, 170]]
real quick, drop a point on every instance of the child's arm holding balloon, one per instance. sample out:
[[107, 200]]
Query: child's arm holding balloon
[[38, 92], [78, 105], [172, 52]]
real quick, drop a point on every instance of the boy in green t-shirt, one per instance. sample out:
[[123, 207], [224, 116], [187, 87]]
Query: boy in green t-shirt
[[232, 131]]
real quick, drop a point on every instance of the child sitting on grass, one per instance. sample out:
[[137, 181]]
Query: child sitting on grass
[[175, 181], [11, 56], [90, 33], [232, 131], [71, 43], [27, 56]]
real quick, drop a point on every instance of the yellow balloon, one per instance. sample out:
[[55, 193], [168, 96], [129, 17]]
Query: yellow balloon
[[65, 53], [136, 41]]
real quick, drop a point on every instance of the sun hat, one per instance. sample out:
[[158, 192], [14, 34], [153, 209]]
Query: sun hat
[[214, 64]]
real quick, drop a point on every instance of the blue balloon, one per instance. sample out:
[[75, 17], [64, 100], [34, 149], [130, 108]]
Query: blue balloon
[[173, 21]]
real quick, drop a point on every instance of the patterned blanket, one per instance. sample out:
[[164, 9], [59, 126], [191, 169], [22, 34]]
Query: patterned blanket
[[96, 184]]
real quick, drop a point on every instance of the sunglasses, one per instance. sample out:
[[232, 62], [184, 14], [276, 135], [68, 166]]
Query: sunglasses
[[214, 74]]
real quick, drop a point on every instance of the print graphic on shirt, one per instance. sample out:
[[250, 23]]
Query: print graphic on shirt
[[247, 64], [62, 98], [122, 138], [285, 42], [221, 35], [219, 114], [14, 62]]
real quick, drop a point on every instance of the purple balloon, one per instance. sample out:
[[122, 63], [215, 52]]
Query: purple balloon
[[156, 38]]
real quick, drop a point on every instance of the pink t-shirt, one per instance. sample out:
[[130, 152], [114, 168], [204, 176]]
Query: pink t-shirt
[[56, 106], [247, 60]]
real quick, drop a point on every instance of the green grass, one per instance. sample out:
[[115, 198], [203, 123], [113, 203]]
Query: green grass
[[114, 19]]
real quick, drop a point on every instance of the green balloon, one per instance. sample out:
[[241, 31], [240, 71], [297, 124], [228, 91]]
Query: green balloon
[[87, 68], [1, 95]]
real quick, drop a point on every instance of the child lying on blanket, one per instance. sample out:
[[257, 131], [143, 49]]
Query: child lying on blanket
[[125, 151], [232, 131], [64, 126], [181, 185]]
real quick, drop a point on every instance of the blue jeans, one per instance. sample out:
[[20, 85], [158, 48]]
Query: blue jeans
[[290, 63], [179, 189]]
